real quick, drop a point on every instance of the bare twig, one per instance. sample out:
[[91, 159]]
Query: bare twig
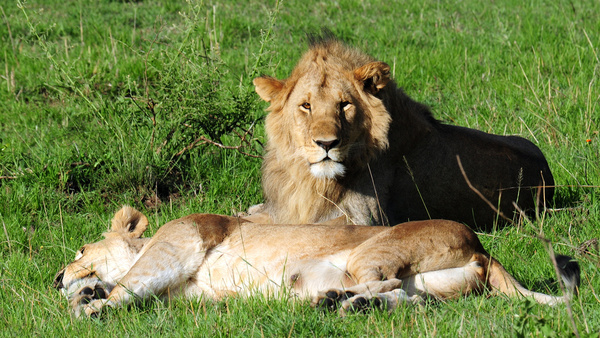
[[520, 211], [204, 140], [167, 139], [552, 186], [339, 208], [462, 170], [412, 176], [384, 220], [8, 177]]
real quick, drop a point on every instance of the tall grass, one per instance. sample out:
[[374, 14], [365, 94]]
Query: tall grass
[[108, 103]]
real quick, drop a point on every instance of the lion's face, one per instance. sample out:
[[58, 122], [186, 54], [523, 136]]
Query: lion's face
[[327, 113], [323, 117], [107, 260]]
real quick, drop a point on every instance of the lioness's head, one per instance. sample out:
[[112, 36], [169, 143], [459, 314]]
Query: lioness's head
[[106, 261], [327, 114]]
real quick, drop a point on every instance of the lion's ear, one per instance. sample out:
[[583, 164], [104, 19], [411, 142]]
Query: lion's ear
[[267, 87], [130, 221], [374, 76]]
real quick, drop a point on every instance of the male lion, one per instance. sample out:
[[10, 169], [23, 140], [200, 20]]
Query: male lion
[[346, 267], [344, 140]]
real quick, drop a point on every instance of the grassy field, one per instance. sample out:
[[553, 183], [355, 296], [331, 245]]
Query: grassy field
[[105, 103]]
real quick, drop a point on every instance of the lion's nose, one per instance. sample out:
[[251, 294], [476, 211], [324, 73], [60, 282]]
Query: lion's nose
[[327, 145], [58, 280]]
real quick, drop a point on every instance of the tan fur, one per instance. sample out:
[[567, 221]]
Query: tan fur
[[344, 140], [213, 256]]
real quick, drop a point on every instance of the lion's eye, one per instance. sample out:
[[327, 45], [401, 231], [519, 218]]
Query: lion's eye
[[345, 105], [306, 105]]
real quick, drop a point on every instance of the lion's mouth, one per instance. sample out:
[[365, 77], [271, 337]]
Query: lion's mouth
[[324, 159], [327, 168]]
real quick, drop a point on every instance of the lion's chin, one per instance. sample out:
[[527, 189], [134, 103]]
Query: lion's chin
[[327, 169]]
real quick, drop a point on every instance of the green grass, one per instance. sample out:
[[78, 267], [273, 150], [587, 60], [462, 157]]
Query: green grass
[[98, 100]]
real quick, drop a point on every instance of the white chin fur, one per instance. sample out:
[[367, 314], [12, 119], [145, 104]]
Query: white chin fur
[[327, 169]]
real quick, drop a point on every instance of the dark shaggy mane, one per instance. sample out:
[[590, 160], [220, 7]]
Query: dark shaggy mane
[[322, 39]]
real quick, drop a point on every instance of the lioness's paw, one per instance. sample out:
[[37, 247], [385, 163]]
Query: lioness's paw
[[330, 300], [94, 308], [382, 301], [86, 295], [362, 303]]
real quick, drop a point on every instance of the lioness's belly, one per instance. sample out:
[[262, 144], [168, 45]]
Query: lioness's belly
[[229, 271]]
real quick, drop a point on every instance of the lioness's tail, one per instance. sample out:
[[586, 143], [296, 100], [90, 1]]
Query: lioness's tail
[[501, 281]]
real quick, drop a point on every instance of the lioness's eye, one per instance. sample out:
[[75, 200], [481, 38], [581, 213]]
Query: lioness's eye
[[79, 253], [345, 105], [306, 105]]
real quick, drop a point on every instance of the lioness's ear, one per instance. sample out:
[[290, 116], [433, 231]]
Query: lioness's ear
[[267, 87], [129, 220], [374, 76]]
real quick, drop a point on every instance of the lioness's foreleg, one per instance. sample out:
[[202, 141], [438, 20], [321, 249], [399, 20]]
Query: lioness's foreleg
[[164, 266]]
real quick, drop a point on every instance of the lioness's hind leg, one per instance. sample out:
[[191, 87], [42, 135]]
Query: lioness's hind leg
[[448, 283], [389, 294], [439, 284]]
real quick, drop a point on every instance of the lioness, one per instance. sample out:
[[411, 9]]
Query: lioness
[[345, 267], [344, 140]]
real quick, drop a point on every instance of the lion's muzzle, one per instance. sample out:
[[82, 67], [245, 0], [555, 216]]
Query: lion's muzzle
[[327, 145]]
